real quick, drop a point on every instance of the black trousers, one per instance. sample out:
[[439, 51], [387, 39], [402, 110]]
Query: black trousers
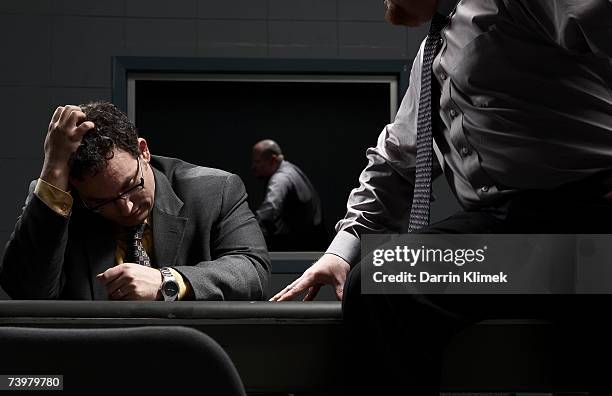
[[396, 342]]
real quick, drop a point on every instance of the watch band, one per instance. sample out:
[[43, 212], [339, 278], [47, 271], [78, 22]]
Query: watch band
[[166, 273], [168, 278]]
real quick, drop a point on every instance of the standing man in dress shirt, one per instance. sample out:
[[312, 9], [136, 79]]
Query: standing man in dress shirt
[[108, 220], [522, 131], [290, 216]]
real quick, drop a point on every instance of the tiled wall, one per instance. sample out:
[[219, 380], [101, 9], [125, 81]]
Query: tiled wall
[[55, 52]]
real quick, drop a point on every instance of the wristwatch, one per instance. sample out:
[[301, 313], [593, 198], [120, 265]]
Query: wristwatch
[[169, 287]]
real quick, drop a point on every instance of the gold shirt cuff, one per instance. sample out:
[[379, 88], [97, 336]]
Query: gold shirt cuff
[[58, 200]]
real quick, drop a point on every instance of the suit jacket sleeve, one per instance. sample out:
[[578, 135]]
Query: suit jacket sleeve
[[240, 268], [32, 263]]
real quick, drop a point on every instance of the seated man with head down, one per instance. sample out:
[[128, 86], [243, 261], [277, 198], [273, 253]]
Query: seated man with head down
[[108, 220]]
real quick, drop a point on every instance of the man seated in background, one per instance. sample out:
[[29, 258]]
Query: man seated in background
[[108, 220], [290, 215]]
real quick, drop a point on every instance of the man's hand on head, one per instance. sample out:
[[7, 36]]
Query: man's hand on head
[[64, 136], [131, 281]]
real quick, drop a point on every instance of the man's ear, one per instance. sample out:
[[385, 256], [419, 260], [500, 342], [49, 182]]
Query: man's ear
[[144, 149]]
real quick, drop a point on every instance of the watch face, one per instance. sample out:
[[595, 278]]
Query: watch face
[[170, 289]]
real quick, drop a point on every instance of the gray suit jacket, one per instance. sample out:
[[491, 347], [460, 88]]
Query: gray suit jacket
[[202, 227]]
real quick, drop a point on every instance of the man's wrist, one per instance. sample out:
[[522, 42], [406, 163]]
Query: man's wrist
[[170, 286], [56, 176], [346, 246], [181, 282]]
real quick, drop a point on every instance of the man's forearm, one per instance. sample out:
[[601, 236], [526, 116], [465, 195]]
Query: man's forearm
[[231, 277], [56, 176]]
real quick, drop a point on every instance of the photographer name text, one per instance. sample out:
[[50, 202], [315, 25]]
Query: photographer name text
[[427, 277]]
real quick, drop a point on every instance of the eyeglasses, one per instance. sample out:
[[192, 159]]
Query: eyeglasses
[[96, 208]]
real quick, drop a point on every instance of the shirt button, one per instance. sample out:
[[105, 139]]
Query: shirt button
[[484, 189], [453, 113], [465, 151]]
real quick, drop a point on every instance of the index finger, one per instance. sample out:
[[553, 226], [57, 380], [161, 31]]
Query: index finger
[[280, 293], [109, 275], [291, 291], [67, 112], [76, 117], [57, 114], [286, 289]]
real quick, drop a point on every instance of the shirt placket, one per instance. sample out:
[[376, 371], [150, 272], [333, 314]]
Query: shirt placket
[[452, 122]]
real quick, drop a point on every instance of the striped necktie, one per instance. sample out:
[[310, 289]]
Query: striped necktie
[[419, 214]]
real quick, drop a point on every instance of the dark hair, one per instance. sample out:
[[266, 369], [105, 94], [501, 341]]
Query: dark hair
[[113, 130]]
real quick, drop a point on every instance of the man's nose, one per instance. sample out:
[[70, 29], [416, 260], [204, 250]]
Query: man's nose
[[125, 205]]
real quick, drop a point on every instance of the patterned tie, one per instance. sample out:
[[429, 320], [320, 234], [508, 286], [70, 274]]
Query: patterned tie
[[419, 214], [135, 251]]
